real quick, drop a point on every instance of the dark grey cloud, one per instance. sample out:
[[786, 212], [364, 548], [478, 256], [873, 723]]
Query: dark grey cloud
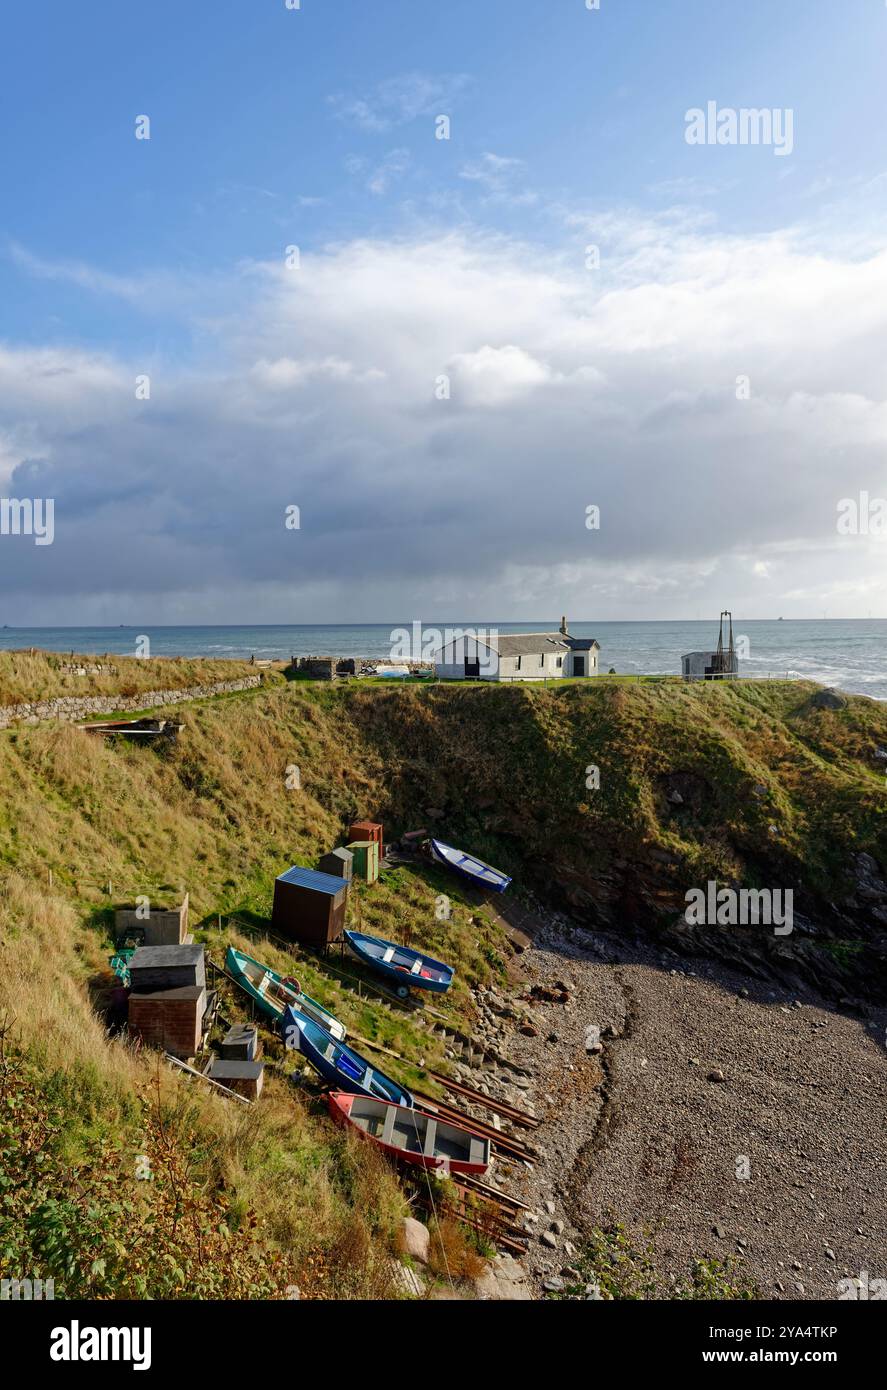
[[566, 388]]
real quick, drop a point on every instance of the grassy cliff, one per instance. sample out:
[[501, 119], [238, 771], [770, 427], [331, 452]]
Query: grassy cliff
[[750, 784]]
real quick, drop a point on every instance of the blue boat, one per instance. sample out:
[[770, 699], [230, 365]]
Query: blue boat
[[468, 866], [336, 1063], [404, 967]]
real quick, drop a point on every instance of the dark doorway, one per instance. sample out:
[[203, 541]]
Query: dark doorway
[[578, 665]]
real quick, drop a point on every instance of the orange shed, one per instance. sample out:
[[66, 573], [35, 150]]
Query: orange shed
[[366, 830]]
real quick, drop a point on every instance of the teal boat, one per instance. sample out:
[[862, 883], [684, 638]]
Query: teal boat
[[273, 992]]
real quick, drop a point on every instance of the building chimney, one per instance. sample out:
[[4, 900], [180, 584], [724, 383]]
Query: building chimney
[[563, 627]]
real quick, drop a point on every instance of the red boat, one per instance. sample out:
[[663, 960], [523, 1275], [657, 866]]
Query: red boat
[[412, 1136]]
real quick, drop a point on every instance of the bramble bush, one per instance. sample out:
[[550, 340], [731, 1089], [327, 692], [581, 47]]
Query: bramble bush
[[99, 1230]]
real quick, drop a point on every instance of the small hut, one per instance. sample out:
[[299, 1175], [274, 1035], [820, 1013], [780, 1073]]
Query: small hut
[[309, 906], [339, 863]]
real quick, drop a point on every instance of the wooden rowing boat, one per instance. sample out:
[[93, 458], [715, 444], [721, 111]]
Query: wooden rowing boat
[[469, 867], [405, 967], [339, 1065], [412, 1136], [273, 992]]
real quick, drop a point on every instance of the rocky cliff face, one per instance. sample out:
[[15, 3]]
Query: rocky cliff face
[[612, 803]]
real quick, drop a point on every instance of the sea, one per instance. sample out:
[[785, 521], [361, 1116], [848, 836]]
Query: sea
[[848, 653]]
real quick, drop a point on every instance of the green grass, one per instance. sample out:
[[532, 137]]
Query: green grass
[[618, 1268], [211, 814]]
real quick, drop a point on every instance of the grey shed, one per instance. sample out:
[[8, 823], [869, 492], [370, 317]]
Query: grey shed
[[339, 862]]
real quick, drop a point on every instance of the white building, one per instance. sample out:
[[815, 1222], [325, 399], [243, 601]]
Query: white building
[[709, 666], [517, 656], [719, 665]]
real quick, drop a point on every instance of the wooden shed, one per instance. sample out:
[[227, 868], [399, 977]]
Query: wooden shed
[[166, 967], [243, 1077], [162, 926], [171, 1019], [366, 860], [241, 1043], [367, 830], [309, 906], [339, 863]]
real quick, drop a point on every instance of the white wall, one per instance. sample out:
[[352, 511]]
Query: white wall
[[449, 662], [591, 659], [493, 667], [533, 667]]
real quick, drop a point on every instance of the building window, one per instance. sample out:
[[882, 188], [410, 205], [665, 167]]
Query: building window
[[560, 662], [517, 664]]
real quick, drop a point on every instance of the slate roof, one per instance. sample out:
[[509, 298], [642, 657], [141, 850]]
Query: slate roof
[[532, 643], [527, 643]]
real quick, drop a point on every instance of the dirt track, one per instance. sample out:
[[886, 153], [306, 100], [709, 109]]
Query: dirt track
[[641, 1132]]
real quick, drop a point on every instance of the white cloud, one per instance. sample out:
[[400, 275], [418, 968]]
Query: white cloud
[[495, 376], [614, 388], [399, 100], [377, 177], [498, 176]]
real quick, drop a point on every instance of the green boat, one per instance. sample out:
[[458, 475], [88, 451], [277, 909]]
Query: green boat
[[273, 992]]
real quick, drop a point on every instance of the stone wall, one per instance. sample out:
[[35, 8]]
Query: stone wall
[[74, 708]]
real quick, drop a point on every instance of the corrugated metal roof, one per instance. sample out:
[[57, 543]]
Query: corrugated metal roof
[[313, 878]]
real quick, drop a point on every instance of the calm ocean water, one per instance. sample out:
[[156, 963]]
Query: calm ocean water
[[848, 653]]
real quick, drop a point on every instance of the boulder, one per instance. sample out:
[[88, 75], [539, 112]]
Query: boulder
[[415, 1240], [828, 699], [503, 1280]]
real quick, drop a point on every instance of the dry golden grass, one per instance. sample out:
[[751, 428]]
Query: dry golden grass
[[313, 1190], [26, 677], [452, 1256], [43, 989]]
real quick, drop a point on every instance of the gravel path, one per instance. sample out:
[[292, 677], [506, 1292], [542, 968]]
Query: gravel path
[[695, 1072]]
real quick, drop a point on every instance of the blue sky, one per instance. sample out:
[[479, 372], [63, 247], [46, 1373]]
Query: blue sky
[[250, 124], [316, 127]]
